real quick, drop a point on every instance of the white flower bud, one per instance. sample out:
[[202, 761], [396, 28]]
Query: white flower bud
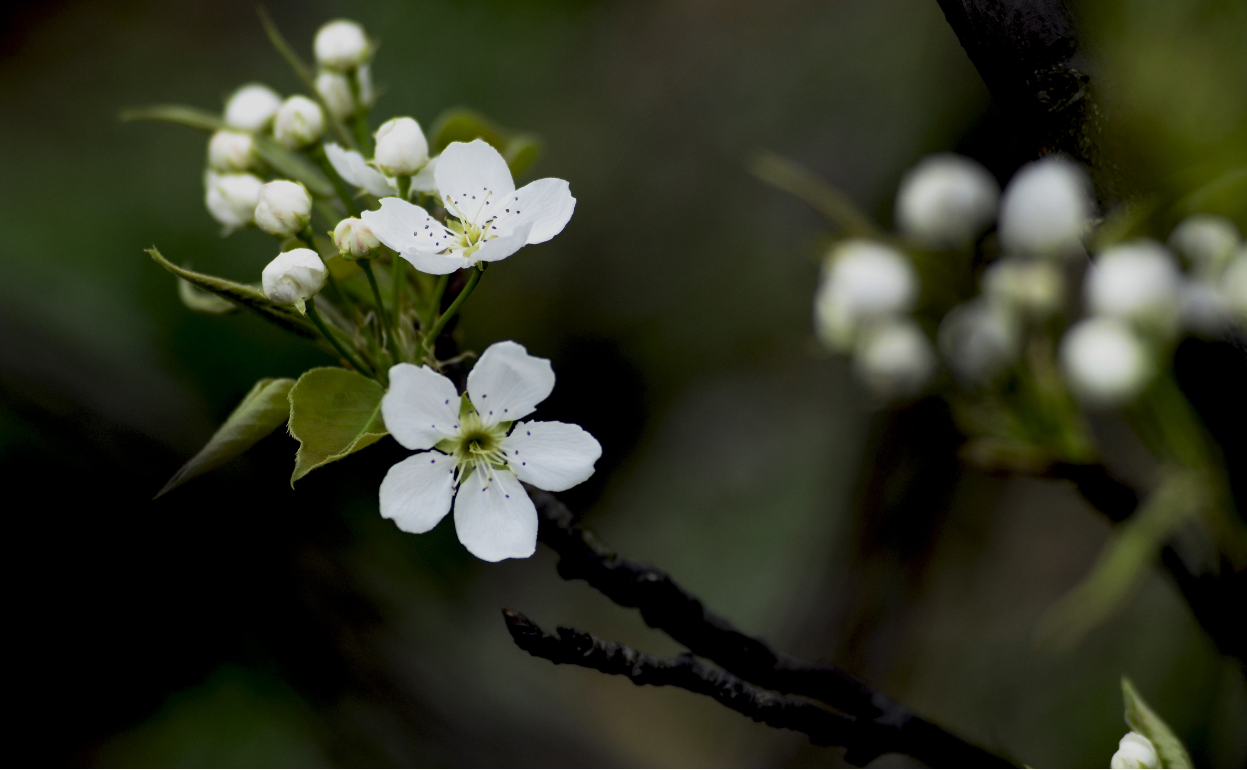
[[946, 200], [363, 79], [862, 280], [1206, 242], [354, 239], [1105, 362], [1033, 287], [231, 151], [1136, 281], [1046, 209], [299, 122], [335, 89], [1135, 751], [232, 198], [1204, 309], [252, 107], [283, 208], [294, 277], [401, 147], [894, 358], [978, 340], [341, 45], [1233, 285]]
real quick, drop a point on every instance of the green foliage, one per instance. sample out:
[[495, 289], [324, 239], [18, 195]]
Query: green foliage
[[201, 301], [261, 411], [1147, 723], [463, 125], [333, 412], [191, 117]]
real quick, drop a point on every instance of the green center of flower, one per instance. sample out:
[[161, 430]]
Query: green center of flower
[[478, 447]]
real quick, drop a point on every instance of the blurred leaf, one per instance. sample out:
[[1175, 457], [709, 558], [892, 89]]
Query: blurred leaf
[[333, 412], [836, 207], [265, 407], [464, 125], [1147, 723], [522, 152], [242, 294], [202, 301], [293, 165], [191, 117]]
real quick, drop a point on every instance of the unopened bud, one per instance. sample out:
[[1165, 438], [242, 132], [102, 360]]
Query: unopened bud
[[341, 45], [335, 89], [283, 209], [231, 151], [294, 277], [1206, 242], [862, 280], [401, 147], [1134, 751], [363, 79], [299, 122], [894, 358], [1233, 285], [1105, 361], [1034, 287], [1136, 281], [978, 340], [946, 200], [232, 198], [1204, 309], [354, 239], [1046, 209], [252, 107]]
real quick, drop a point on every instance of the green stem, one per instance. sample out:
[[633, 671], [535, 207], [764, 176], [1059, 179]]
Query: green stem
[[333, 340], [363, 134], [366, 264], [396, 278], [426, 345], [339, 186], [435, 300], [404, 185]]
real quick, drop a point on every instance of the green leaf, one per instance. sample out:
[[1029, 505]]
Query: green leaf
[[262, 410], [521, 152], [293, 165], [1147, 723], [191, 117], [242, 294], [333, 412], [463, 125], [202, 301]]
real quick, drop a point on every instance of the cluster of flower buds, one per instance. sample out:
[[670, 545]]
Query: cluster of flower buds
[[344, 53]]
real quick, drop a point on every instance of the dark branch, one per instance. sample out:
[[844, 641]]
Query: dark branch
[[682, 616]]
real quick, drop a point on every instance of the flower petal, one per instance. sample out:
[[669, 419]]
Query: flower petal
[[507, 383], [416, 492], [473, 180], [494, 518], [421, 407], [502, 247], [551, 455], [546, 204], [436, 264], [424, 180], [405, 227], [352, 167]]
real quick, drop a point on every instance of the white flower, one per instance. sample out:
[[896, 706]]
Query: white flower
[[354, 239], [231, 151], [978, 340], [283, 208], [1033, 287], [1105, 361], [1204, 308], [352, 167], [401, 147], [1135, 751], [894, 358], [1046, 209], [946, 200], [474, 446], [494, 220], [363, 79], [231, 198], [299, 122], [252, 107], [1233, 285], [341, 45], [1136, 281], [1206, 242], [294, 277], [861, 280], [335, 89]]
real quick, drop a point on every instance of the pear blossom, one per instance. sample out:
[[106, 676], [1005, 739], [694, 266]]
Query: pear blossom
[[979, 339], [1034, 287], [1105, 361], [335, 89], [283, 208], [231, 151], [492, 220], [1134, 751], [1206, 242], [470, 449], [232, 198], [294, 277], [1138, 281], [946, 200], [299, 122], [401, 147], [1233, 285], [1205, 310], [861, 280], [351, 166], [1046, 209], [353, 239], [251, 107], [341, 45], [894, 358]]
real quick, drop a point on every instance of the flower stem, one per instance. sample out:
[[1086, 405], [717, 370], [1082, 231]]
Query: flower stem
[[396, 278], [404, 185], [337, 344], [366, 264], [430, 339], [435, 299]]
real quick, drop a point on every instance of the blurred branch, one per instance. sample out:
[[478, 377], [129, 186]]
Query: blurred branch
[[836, 207], [683, 617]]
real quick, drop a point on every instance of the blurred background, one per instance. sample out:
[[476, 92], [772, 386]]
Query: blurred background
[[240, 622]]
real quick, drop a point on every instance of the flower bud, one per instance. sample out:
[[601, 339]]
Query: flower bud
[[1029, 286], [978, 340], [1204, 309], [232, 198], [363, 79], [231, 151], [1105, 362], [401, 147], [894, 358], [861, 280], [1135, 751], [1233, 285], [283, 208], [1046, 209], [1136, 281], [252, 107], [294, 277], [946, 200], [299, 122], [341, 45], [1206, 242], [335, 89], [354, 239]]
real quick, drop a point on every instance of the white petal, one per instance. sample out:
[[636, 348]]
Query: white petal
[[425, 181], [551, 455], [416, 492], [494, 518], [507, 383], [501, 247], [352, 167], [421, 407], [473, 180], [406, 227], [436, 264], [546, 204]]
